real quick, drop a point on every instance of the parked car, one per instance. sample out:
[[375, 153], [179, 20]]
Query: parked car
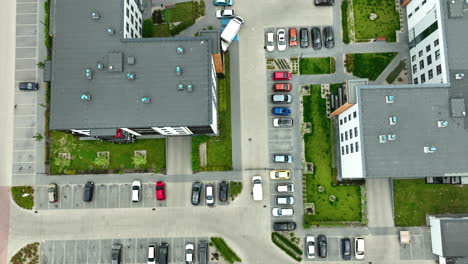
[[270, 42], [310, 247], [316, 38], [282, 122], [151, 254], [225, 13], [203, 252], [189, 253], [160, 191], [196, 192], [359, 247], [346, 248], [163, 252], [223, 2], [285, 187], [209, 194], [88, 191], [278, 211], [304, 37], [292, 37], [282, 76], [53, 193], [281, 111], [136, 187], [223, 191], [282, 87], [257, 190], [281, 98], [281, 200], [284, 226], [282, 158], [324, 2], [28, 86], [116, 253], [328, 37], [281, 34], [279, 174], [322, 246]]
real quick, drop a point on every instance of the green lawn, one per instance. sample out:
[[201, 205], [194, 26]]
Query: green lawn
[[83, 153], [371, 65], [387, 22], [26, 202], [219, 149], [347, 206], [184, 13], [161, 31], [315, 65], [414, 199]]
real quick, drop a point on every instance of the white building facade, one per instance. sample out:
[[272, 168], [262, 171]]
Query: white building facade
[[133, 20]]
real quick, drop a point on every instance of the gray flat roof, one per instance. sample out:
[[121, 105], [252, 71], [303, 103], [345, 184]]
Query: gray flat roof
[[417, 108], [454, 233], [81, 42]]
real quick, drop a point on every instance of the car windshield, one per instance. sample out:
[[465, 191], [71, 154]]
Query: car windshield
[[281, 42], [135, 188], [159, 187], [270, 43], [196, 188], [51, 189], [293, 38], [29, 85]]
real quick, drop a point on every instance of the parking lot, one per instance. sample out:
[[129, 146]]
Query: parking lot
[[70, 196], [99, 251]]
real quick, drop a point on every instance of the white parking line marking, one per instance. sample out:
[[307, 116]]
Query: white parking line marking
[[135, 257], [107, 196], [76, 249], [25, 70], [23, 115], [53, 251], [23, 162], [87, 252], [99, 258], [23, 59], [64, 250]]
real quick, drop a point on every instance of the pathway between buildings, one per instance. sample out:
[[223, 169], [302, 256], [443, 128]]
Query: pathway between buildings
[[178, 155], [379, 203]]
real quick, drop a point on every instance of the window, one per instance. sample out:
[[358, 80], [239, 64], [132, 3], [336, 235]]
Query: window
[[349, 117], [352, 148], [413, 58], [355, 131], [346, 135], [420, 53], [421, 64], [341, 121], [354, 114], [127, 26], [342, 150], [439, 69], [423, 78], [429, 60], [345, 119], [416, 10], [350, 134], [410, 15], [356, 145], [132, 8], [437, 54], [436, 42], [128, 13], [431, 74], [415, 80], [423, 2], [347, 149], [415, 68], [341, 137], [428, 48]]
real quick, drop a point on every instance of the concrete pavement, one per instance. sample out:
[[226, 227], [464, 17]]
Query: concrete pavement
[[379, 204], [178, 155]]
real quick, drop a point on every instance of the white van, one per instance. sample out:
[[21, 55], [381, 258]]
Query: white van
[[257, 188], [136, 187], [359, 247], [151, 254], [285, 187]]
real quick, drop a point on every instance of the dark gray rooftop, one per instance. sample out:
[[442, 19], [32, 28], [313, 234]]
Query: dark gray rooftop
[[418, 110], [454, 233], [81, 42], [215, 42]]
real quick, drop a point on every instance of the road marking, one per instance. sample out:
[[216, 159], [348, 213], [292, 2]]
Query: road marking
[[87, 252], [23, 59], [107, 196], [23, 162], [72, 201], [35, 24], [53, 251], [119, 196], [136, 248], [76, 249], [64, 250], [25, 70], [99, 258], [23, 115]]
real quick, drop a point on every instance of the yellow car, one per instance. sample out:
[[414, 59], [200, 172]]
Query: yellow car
[[279, 175]]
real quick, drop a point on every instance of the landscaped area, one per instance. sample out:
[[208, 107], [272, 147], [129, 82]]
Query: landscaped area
[[219, 148], [384, 24], [414, 199], [69, 155], [317, 65], [338, 204], [23, 196], [368, 65], [289, 246]]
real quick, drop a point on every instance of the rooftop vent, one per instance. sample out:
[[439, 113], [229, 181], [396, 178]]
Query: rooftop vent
[[442, 123], [392, 120], [180, 87], [131, 76], [110, 31], [391, 137], [131, 60], [89, 73], [85, 97], [100, 66], [389, 99], [382, 138], [459, 76], [95, 15], [429, 149], [145, 100], [180, 50], [189, 88], [178, 70]]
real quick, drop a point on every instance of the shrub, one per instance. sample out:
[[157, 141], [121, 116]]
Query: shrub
[[101, 161], [158, 17], [26, 202], [47, 38], [147, 28], [62, 163], [235, 188], [185, 24], [344, 20], [349, 63], [275, 238], [333, 65], [287, 243], [202, 7], [27, 255], [394, 74], [226, 252], [139, 160]]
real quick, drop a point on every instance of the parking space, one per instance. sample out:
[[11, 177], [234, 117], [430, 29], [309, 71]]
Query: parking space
[[334, 252], [99, 251]]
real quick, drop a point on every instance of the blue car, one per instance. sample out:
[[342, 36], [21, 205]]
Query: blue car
[[281, 111], [223, 2]]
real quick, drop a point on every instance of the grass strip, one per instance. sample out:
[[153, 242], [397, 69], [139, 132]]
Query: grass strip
[[226, 252], [26, 202], [344, 20], [284, 244]]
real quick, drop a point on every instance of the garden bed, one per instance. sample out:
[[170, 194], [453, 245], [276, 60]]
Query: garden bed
[[23, 196]]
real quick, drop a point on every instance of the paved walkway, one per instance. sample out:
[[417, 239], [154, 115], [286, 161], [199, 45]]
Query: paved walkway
[[5, 198], [178, 155], [379, 203]]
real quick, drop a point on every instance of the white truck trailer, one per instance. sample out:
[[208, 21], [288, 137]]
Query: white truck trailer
[[230, 32]]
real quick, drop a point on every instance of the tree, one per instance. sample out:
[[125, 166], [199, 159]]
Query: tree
[[139, 160], [148, 28]]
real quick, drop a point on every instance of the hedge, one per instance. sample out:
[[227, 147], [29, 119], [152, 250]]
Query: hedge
[[394, 74], [148, 28], [344, 21], [287, 246], [226, 252]]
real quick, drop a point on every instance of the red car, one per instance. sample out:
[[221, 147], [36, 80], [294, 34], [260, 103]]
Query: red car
[[292, 37], [160, 194], [282, 87], [282, 76]]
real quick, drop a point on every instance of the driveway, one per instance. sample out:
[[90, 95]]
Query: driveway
[[379, 203]]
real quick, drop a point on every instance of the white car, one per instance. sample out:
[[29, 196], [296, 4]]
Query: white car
[[136, 187], [282, 158], [270, 41], [281, 39], [189, 253], [310, 246], [209, 194], [257, 190], [151, 254], [288, 200], [285, 188], [359, 247], [277, 211], [225, 13]]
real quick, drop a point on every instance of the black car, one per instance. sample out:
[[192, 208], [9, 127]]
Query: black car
[[284, 226], [316, 38], [28, 86], [223, 191], [163, 252], [346, 248], [304, 37], [88, 191], [196, 192], [116, 254], [324, 2], [203, 252], [322, 246], [328, 37]]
